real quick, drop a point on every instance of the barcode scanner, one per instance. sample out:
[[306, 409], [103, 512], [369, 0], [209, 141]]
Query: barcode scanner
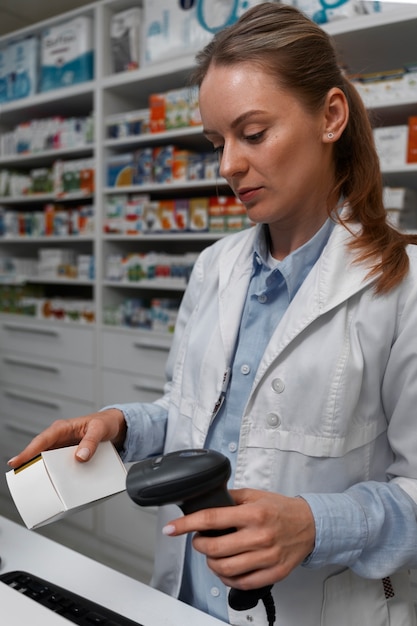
[[193, 479]]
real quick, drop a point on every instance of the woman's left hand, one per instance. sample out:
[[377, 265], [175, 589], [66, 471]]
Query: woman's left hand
[[274, 534]]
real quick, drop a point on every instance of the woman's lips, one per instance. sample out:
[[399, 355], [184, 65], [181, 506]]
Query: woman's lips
[[247, 194]]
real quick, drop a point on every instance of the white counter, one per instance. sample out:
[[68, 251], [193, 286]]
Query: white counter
[[22, 549]]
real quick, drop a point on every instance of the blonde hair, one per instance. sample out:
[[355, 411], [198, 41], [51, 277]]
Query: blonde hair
[[302, 57]]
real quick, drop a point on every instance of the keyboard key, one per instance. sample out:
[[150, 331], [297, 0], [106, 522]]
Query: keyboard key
[[73, 607]]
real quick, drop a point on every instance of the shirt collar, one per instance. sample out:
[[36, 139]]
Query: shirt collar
[[295, 267]]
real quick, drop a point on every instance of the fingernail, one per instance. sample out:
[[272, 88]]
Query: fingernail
[[10, 461], [83, 454], [169, 529]]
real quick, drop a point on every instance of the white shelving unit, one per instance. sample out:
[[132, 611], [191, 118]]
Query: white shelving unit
[[50, 369]]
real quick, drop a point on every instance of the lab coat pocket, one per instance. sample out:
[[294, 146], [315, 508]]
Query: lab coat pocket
[[350, 600]]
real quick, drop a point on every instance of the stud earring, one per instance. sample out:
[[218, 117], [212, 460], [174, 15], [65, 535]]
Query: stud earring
[[330, 135]]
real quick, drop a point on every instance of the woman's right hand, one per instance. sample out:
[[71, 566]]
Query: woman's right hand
[[86, 431]]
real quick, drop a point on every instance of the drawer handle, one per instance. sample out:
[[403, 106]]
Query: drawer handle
[[32, 400], [150, 343], [37, 366], [31, 329], [20, 430]]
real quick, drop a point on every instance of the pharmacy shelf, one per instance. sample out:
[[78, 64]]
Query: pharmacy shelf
[[55, 239], [37, 159], [68, 101], [379, 41], [45, 197], [401, 176], [393, 112], [167, 237], [168, 188], [169, 284], [188, 137]]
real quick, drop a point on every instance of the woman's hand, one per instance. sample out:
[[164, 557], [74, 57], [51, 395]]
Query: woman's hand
[[86, 431], [274, 534]]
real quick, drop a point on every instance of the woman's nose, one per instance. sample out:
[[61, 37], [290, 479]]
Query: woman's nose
[[231, 161]]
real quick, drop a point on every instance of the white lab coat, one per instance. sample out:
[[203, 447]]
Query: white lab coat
[[335, 391]]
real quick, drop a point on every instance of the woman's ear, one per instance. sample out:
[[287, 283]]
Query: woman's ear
[[336, 115]]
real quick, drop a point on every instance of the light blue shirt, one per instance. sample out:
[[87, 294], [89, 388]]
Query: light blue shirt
[[272, 286]]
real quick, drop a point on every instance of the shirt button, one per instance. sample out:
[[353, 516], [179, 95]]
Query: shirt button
[[273, 420], [278, 385], [245, 369], [262, 298], [215, 592], [232, 446]]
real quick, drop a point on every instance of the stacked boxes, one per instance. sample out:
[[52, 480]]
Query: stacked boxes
[[176, 108], [176, 28], [160, 165], [52, 133], [67, 54], [137, 214], [391, 145], [23, 68], [4, 71], [62, 56], [382, 88], [397, 145]]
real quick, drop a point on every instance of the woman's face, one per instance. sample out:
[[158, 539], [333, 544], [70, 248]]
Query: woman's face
[[274, 154]]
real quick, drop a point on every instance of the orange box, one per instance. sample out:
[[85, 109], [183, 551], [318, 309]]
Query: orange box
[[180, 164], [166, 214], [412, 140], [157, 112]]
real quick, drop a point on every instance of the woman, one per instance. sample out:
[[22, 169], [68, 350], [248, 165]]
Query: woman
[[295, 351]]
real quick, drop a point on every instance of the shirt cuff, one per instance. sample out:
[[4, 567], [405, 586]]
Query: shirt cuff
[[146, 427], [341, 530]]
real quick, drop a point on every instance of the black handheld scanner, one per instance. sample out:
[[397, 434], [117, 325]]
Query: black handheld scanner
[[193, 479]]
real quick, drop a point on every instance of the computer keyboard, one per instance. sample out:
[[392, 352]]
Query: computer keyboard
[[73, 607]]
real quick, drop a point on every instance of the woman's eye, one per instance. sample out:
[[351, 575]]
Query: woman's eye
[[255, 137], [218, 149]]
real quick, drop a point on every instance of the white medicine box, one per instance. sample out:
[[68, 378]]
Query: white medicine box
[[67, 54], [172, 29], [54, 483]]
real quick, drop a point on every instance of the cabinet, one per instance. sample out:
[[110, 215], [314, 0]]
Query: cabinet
[[50, 368]]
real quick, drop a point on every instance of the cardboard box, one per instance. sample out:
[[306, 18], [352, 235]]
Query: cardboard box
[[125, 39], [172, 29], [54, 483], [391, 145], [67, 53], [23, 68], [412, 140]]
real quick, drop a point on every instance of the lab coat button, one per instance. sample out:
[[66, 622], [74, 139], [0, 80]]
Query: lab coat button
[[278, 385], [273, 420]]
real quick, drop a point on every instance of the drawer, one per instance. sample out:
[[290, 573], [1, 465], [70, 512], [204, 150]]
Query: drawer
[[37, 409], [125, 523], [119, 388], [52, 377], [38, 339], [138, 353]]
